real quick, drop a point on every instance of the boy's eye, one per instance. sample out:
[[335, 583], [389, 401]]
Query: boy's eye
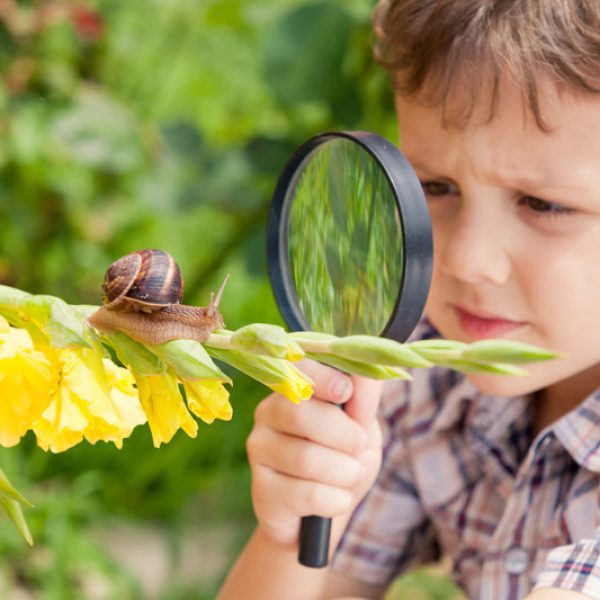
[[544, 208], [438, 188]]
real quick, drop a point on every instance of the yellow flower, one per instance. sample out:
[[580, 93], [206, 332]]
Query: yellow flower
[[88, 402], [276, 373], [208, 399], [295, 387], [164, 407], [125, 402], [25, 383]]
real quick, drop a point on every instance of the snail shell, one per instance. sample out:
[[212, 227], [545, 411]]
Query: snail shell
[[145, 280], [142, 293]]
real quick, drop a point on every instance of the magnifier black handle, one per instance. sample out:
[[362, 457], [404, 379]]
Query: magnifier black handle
[[314, 541], [313, 550]]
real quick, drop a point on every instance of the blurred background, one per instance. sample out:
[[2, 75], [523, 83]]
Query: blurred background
[[160, 123]]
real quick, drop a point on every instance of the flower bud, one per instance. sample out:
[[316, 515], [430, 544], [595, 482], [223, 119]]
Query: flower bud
[[360, 368], [208, 400], [276, 373], [506, 351], [438, 349], [473, 366], [272, 340], [375, 350], [189, 360]]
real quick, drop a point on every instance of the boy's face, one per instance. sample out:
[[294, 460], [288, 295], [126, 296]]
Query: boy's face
[[516, 225]]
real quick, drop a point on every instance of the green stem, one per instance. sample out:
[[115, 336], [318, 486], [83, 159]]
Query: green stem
[[315, 346], [219, 340]]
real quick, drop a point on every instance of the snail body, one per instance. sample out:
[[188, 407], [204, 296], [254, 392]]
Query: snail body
[[141, 298]]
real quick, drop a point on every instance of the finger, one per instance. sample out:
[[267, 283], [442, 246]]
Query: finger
[[302, 459], [298, 496], [315, 420], [365, 399], [329, 383]]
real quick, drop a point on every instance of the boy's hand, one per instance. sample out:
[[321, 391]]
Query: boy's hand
[[313, 458]]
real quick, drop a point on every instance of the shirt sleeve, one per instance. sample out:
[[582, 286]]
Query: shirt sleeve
[[575, 567], [389, 532]]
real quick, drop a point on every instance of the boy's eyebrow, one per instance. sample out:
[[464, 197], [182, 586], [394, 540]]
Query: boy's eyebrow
[[517, 181], [415, 164]]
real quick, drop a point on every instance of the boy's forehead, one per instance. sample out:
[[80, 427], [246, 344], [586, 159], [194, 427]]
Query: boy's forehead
[[511, 144]]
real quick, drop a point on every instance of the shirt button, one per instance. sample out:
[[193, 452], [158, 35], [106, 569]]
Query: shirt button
[[516, 560]]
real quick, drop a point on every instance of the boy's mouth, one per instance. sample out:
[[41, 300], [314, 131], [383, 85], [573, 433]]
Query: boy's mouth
[[481, 325]]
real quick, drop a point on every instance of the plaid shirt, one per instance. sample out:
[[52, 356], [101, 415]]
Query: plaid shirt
[[463, 475]]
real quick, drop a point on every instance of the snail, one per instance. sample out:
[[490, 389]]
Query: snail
[[141, 298]]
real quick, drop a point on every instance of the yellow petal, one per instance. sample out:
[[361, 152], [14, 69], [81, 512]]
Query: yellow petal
[[124, 396], [25, 384], [164, 407], [4, 326], [294, 387], [208, 399], [88, 402]]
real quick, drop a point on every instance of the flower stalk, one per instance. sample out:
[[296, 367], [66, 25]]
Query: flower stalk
[[68, 382], [44, 341]]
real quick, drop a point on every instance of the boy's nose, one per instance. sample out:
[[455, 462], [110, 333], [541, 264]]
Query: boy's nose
[[473, 249]]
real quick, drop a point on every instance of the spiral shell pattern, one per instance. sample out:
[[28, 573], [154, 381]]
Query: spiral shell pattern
[[143, 279]]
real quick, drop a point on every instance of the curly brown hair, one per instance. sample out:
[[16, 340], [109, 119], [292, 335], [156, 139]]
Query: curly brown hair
[[430, 46]]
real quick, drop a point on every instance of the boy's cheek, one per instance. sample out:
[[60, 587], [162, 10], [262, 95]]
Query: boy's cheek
[[434, 312]]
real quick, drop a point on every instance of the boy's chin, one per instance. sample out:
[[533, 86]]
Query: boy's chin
[[506, 386]]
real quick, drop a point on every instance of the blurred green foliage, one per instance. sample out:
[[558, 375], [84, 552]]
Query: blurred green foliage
[[157, 123]]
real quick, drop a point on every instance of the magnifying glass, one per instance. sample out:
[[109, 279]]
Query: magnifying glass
[[349, 252]]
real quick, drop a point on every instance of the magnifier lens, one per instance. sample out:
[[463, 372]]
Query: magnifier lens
[[350, 252], [345, 241]]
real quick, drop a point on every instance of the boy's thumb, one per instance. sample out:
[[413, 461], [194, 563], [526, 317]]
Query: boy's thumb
[[362, 405]]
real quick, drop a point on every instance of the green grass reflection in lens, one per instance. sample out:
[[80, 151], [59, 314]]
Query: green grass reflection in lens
[[345, 241]]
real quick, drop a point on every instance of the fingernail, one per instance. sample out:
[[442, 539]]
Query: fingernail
[[340, 388]]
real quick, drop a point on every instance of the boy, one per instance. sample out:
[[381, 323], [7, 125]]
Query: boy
[[500, 117]]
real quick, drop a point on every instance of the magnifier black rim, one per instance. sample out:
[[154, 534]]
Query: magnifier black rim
[[416, 231]]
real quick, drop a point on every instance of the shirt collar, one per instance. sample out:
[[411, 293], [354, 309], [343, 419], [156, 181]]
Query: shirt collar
[[579, 432], [490, 415], [462, 403]]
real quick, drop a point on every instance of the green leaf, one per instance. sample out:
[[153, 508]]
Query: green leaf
[[11, 297], [189, 360], [10, 301], [11, 500], [15, 513], [62, 323], [9, 491], [135, 355]]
